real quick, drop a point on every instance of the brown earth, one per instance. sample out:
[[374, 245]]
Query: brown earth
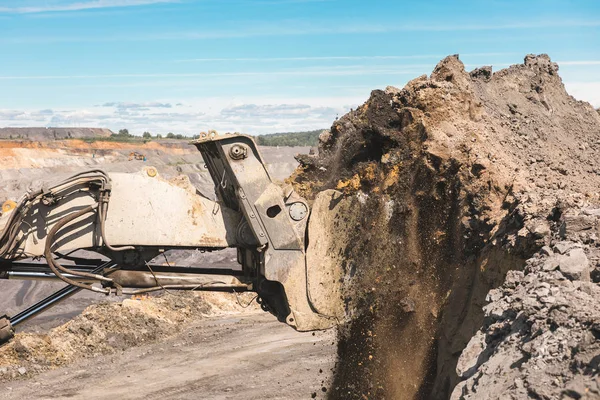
[[110, 327], [452, 182]]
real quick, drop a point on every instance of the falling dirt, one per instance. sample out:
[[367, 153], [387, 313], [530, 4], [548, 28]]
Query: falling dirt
[[452, 182]]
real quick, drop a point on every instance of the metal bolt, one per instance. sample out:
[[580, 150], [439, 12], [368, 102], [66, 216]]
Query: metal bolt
[[238, 152], [298, 211]]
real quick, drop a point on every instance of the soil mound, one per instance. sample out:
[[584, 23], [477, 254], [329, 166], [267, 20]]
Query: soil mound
[[107, 328], [453, 182]]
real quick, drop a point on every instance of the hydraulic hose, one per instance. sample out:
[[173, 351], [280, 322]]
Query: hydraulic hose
[[103, 214], [55, 267], [9, 235]]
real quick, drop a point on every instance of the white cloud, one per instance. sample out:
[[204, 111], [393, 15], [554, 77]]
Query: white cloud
[[301, 28], [137, 106], [291, 27], [277, 111], [586, 91], [225, 115], [61, 6], [348, 70]]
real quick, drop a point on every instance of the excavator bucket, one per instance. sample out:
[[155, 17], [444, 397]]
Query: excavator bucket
[[324, 271]]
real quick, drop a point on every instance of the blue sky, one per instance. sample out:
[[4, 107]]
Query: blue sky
[[260, 66]]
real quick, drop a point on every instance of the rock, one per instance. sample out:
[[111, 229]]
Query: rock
[[408, 305], [551, 264], [575, 265], [392, 90], [325, 137], [546, 251], [548, 300], [306, 160], [513, 278], [591, 211], [483, 73], [468, 360], [542, 292], [22, 370], [564, 247], [540, 229], [574, 224], [494, 295]]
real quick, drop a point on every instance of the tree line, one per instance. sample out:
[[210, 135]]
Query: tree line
[[124, 134], [290, 139], [306, 138]]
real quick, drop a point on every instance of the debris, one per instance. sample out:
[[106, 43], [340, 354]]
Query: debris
[[574, 265]]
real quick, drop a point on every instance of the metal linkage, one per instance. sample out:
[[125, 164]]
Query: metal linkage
[[54, 298], [8, 324]]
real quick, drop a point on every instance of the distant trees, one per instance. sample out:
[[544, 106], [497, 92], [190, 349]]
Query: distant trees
[[306, 138], [123, 134]]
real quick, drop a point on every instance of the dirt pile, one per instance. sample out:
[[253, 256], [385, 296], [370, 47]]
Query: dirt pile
[[450, 183], [111, 327]]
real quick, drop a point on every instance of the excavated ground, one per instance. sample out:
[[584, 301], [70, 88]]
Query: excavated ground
[[450, 184]]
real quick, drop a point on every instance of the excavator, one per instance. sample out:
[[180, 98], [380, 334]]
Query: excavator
[[134, 155], [100, 232]]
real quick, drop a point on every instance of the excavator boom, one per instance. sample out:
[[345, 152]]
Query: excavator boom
[[129, 219]]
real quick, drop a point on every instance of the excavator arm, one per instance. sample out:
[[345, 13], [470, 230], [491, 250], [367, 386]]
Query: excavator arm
[[129, 219]]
